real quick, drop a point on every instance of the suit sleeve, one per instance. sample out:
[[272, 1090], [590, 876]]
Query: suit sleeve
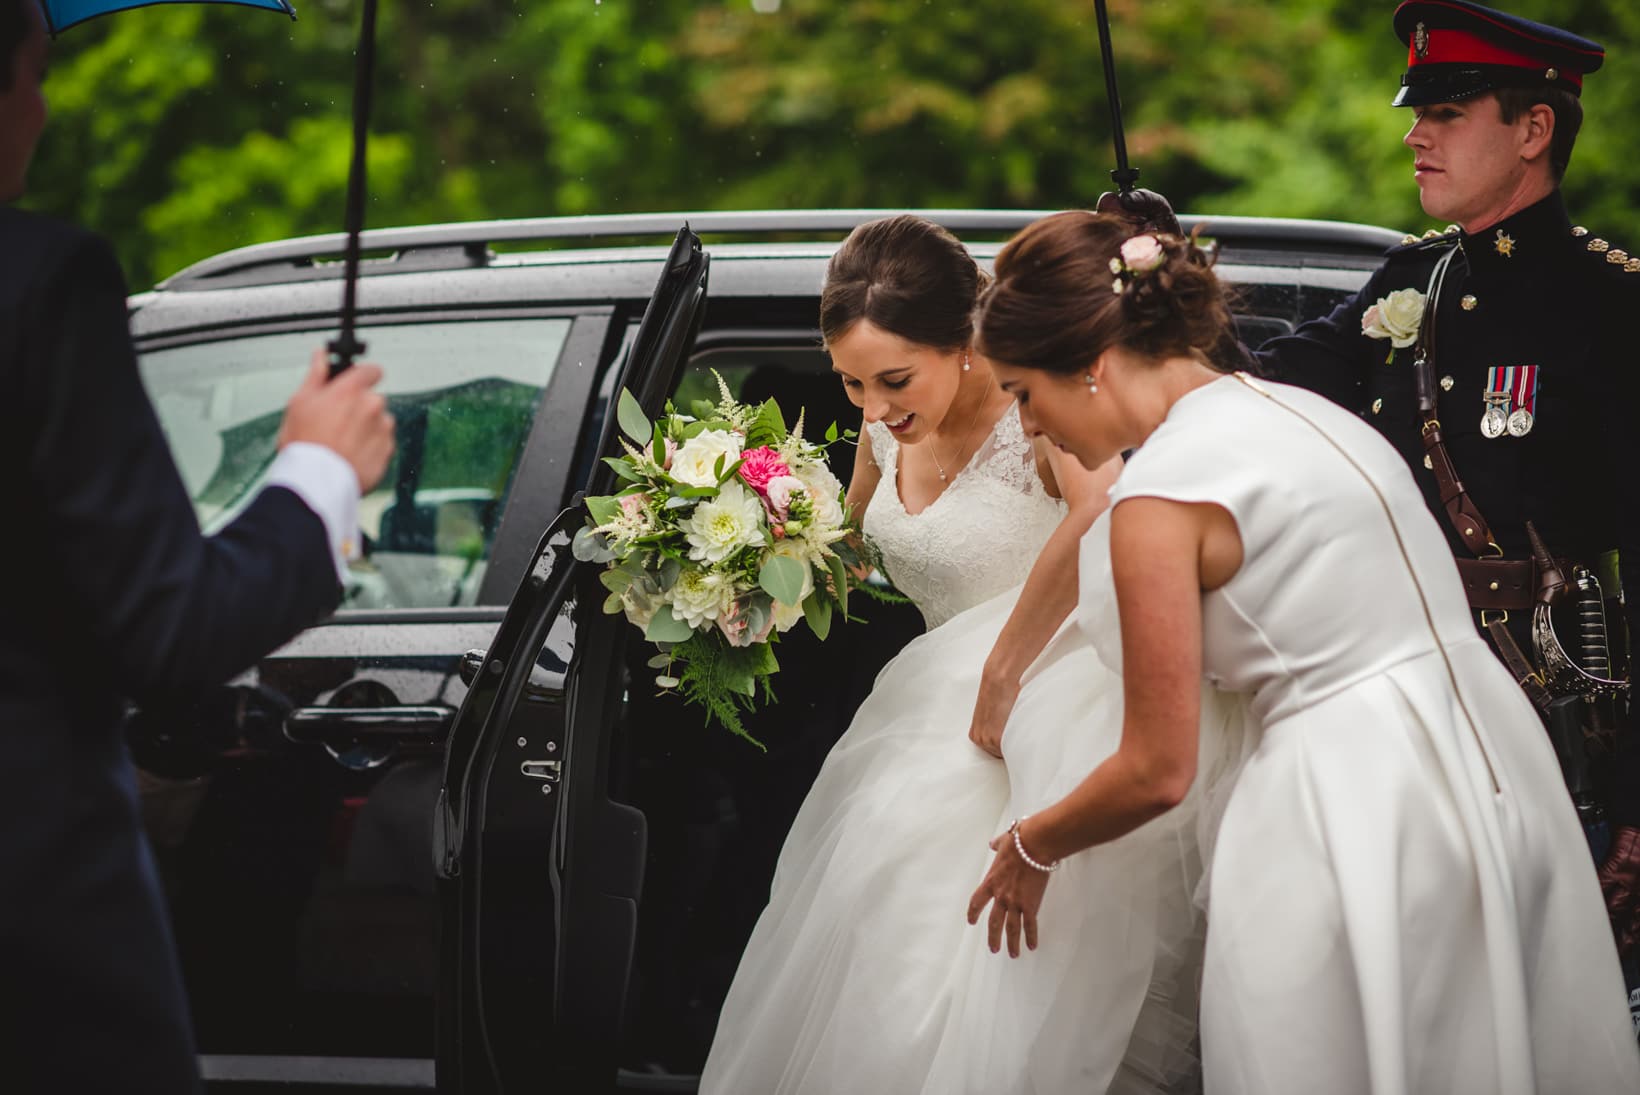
[[167, 610], [1327, 355]]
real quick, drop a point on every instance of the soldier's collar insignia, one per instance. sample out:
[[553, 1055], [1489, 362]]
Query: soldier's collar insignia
[[1420, 41], [1504, 244]]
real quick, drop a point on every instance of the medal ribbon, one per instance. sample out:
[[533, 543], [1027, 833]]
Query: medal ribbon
[[1524, 388], [1498, 386]]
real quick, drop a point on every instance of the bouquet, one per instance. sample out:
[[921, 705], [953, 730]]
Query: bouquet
[[728, 531]]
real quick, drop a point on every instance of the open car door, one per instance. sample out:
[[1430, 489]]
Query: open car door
[[539, 869]]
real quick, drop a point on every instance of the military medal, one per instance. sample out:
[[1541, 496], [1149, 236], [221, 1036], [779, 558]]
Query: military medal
[[1496, 420], [1524, 391]]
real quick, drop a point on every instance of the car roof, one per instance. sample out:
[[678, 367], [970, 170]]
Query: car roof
[[581, 260]]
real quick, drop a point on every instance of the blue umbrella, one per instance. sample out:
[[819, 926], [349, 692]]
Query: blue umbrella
[[62, 14]]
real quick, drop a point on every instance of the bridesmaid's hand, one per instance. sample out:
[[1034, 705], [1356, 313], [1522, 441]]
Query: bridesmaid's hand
[[995, 704], [1013, 889]]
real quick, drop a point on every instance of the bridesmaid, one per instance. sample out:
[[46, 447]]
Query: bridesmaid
[[1401, 898]]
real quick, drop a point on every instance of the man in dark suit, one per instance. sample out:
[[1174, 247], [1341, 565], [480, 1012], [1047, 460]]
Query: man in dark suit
[[1529, 410], [113, 594]]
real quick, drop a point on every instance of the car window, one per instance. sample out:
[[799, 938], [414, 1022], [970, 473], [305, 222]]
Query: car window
[[464, 395]]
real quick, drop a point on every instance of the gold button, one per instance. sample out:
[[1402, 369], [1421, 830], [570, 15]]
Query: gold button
[[1469, 302], [1446, 383], [1493, 587], [1580, 231], [1377, 405], [1598, 245], [1632, 266], [1617, 256], [1408, 238], [1552, 74]]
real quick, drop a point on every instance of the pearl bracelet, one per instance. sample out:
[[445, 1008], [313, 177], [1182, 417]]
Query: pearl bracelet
[[1019, 846]]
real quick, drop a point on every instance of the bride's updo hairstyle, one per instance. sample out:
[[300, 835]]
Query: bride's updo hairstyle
[[1064, 293], [908, 276]]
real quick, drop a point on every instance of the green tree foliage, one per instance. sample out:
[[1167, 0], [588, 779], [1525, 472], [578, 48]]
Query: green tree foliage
[[181, 131]]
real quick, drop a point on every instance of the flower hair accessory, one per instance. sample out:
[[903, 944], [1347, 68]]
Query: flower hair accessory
[[1139, 256]]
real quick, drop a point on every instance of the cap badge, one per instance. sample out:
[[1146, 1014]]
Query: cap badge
[[1504, 245], [1552, 75], [1420, 41]]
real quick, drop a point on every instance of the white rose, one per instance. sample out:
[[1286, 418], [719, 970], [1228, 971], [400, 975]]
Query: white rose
[[695, 462], [786, 616], [721, 526], [823, 489], [1395, 317], [699, 597]]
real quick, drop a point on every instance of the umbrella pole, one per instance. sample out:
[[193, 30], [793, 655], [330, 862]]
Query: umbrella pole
[[346, 346], [1124, 176]]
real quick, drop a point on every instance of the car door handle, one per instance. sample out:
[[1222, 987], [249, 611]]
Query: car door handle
[[343, 727]]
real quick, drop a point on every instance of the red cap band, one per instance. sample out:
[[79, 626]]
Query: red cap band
[[1447, 47]]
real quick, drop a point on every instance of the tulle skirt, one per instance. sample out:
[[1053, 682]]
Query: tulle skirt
[[863, 973]]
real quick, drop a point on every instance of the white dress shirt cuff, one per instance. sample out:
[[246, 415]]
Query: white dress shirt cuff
[[328, 486]]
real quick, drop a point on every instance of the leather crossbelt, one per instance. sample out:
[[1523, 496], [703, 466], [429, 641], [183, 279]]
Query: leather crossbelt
[[1508, 584]]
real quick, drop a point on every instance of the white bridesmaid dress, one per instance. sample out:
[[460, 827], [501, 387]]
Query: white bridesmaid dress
[[1401, 898]]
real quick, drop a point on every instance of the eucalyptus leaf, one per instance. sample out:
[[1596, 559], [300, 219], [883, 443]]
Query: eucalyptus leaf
[[678, 502], [817, 611], [615, 580], [839, 575], [612, 604], [634, 423], [589, 547], [659, 661], [623, 468], [669, 571], [782, 579], [664, 627], [603, 508]]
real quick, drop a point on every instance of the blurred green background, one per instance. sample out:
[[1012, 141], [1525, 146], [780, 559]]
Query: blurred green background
[[182, 130]]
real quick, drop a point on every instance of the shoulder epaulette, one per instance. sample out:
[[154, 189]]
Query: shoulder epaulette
[[1615, 259], [1432, 240]]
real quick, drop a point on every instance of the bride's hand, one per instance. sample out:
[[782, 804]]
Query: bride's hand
[[991, 711], [1013, 889]]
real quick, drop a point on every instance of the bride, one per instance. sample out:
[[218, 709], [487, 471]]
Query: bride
[[860, 974]]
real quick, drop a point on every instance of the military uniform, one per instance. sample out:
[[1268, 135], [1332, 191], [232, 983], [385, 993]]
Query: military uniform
[[1532, 290], [1536, 382]]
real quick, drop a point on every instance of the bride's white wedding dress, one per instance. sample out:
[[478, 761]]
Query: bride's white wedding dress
[[862, 974]]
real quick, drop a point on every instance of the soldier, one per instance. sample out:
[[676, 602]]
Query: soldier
[[1526, 409]]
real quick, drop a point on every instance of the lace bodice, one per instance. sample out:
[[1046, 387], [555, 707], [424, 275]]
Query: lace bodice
[[978, 538]]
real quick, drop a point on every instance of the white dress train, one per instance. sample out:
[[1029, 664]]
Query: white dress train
[[862, 975]]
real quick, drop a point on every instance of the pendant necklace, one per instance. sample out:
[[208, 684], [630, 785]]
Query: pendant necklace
[[963, 444]]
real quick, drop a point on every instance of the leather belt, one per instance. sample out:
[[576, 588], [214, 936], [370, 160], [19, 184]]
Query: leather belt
[[1508, 584]]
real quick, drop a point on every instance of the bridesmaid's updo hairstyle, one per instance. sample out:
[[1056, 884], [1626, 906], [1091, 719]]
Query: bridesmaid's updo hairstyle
[[906, 275], [1063, 295]]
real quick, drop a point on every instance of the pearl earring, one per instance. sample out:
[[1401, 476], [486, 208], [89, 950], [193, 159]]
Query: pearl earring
[[965, 365], [1093, 385]]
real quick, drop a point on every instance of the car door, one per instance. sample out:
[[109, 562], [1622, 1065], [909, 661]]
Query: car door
[[539, 868]]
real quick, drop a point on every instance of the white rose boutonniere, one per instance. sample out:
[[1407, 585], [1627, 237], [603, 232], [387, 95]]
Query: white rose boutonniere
[[1395, 317]]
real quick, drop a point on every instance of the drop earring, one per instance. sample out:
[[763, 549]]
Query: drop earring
[[1093, 385], [965, 365]]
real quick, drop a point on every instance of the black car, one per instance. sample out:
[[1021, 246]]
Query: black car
[[452, 836]]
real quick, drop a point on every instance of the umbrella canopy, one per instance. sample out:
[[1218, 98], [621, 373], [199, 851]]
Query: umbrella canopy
[[62, 14]]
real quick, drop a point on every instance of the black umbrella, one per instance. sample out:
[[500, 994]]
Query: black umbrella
[[346, 345], [1148, 210]]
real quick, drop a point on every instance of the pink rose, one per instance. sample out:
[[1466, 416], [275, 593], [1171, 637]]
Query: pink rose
[[777, 495], [633, 504], [671, 448], [1143, 254], [761, 465], [1369, 320]]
